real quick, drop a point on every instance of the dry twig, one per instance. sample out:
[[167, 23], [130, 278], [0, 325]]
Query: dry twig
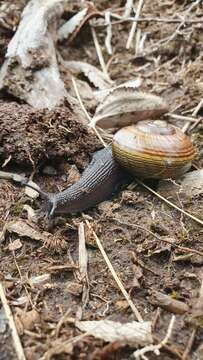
[[155, 348], [199, 221], [115, 276], [134, 25], [108, 33], [16, 340], [99, 54], [189, 344], [183, 248], [85, 111], [149, 19], [83, 260]]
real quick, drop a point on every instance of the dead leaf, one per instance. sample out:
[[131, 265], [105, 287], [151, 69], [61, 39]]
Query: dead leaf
[[132, 333], [125, 105], [26, 320], [74, 288], [21, 228], [31, 192], [30, 213], [101, 94], [94, 75], [189, 185], [72, 27], [122, 305], [58, 348], [15, 245]]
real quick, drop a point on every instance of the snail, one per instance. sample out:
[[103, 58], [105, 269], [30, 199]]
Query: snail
[[148, 149]]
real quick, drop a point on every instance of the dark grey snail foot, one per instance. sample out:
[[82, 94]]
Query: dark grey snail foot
[[48, 207]]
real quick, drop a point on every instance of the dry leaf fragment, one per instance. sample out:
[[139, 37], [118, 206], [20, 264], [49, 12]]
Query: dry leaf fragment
[[94, 75], [57, 348], [20, 301], [39, 280], [15, 245], [172, 305], [21, 228], [100, 95], [72, 27], [132, 333], [26, 320], [125, 105], [31, 192], [30, 213], [189, 185]]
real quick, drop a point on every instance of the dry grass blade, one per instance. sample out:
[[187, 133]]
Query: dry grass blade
[[199, 221], [128, 8], [85, 111], [115, 276], [16, 340], [189, 345], [99, 54], [108, 32], [83, 260], [181, 117], [134, 25]]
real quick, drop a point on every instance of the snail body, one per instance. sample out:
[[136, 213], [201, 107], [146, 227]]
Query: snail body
[[149, 149], [100, 179]]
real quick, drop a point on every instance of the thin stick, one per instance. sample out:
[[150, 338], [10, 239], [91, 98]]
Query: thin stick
[[83, 261], [83, 257], [115, 276], [21, 278], [108, 34], [194, 113], [16, 340], [134, 25], [198, 107], [189, 344], [170, 203], [85, 111], [183, 248], [99, 54], [181, 117], [155, 348], [149, 19], [79, 99], [128, 8]]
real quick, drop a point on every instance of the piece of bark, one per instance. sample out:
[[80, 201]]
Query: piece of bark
[[30, 71], [168, 303]]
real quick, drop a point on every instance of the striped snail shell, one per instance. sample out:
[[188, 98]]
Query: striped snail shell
[[153, 149]]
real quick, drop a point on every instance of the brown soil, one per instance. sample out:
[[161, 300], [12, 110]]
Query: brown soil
[[31, 140]]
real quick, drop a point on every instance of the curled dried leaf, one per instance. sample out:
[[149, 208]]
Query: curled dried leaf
[[94, 75], [125, 105], [72, 27]]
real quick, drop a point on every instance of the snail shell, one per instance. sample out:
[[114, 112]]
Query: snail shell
[[153, 149]]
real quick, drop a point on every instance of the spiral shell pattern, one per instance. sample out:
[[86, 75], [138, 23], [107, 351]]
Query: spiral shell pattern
[[153, 149]]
